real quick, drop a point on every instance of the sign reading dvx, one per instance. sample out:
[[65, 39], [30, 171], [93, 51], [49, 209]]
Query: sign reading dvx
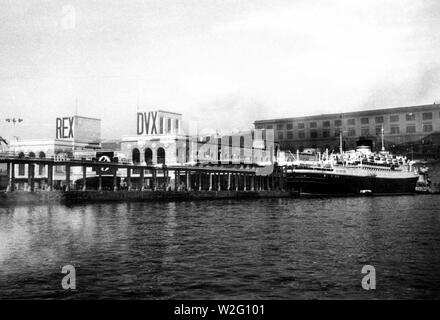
[[65, 128], [147, 123]]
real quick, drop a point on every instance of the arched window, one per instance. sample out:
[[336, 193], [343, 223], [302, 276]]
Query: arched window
[[136, 156], [161, 156], [148, 156]]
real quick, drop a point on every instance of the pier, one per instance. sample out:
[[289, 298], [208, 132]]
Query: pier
[[130, 182]]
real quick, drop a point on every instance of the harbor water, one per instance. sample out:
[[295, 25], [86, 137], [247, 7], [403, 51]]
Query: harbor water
[[304, 248]]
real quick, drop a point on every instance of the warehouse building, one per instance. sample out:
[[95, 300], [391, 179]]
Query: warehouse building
[[413, 131]]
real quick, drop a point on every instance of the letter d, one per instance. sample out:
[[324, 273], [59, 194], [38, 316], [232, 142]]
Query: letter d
[[140, 123], [69, 281], [369, 281]]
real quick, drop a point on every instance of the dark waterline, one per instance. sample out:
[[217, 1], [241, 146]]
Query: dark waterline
[[272, 248]]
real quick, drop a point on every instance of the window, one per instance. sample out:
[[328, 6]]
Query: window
[[337, 132], [351, 122], [352, 131], [326, 133], [280, 136], [177, 125], [365, 131], [269, 127], [169, 125], [365, 120], [427, 116], [394, 118], [410, 116], [259, 127], [301, 125], [301, 135], [379, 119], [427, 127], [338, 123], [395, 130], [313, 125], [148, 156], [411, 129], [280, 126], [289, 135], [326, 124], [289, 126], [161, 156], [313, 134]]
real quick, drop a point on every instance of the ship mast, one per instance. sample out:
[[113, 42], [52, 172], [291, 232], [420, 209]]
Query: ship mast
[[340, 141], [383, 147]]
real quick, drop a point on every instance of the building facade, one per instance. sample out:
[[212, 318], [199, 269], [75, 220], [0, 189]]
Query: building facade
[[408, 130], [160, 139], [76, 137]]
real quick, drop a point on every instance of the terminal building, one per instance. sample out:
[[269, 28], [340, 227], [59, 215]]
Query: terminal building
[[76, 137], [412, 131], [160, 141]]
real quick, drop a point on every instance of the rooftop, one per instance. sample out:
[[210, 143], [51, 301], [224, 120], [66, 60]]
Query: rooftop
[[371, 112]]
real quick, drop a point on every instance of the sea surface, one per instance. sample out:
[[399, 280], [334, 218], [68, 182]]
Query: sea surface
[[308, 248]]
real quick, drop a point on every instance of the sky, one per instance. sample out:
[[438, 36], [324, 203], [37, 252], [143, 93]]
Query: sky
[[223, 64]]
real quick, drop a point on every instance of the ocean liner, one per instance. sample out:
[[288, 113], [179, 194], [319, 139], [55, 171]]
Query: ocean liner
[[359, 171]]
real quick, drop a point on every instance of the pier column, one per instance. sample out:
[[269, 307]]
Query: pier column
[[176, 185], [154, 176], [129, 178], [84, 171], [115, 180], [210, 181], [237, 181], [229, 181], [8, 171], [281, 184], [253, 183], [188, 180], [219, 184], [67, 177], [273, 180], [200, 181], [11, 177], [50, 177], [244, 182], [142, 179], [99, 181], [30, 177]]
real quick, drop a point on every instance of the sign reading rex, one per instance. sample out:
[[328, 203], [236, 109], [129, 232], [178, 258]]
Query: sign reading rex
[[64, 128], [147, 123]]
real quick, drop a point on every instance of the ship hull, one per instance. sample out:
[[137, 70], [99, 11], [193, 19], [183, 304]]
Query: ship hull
[[334, 184]]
